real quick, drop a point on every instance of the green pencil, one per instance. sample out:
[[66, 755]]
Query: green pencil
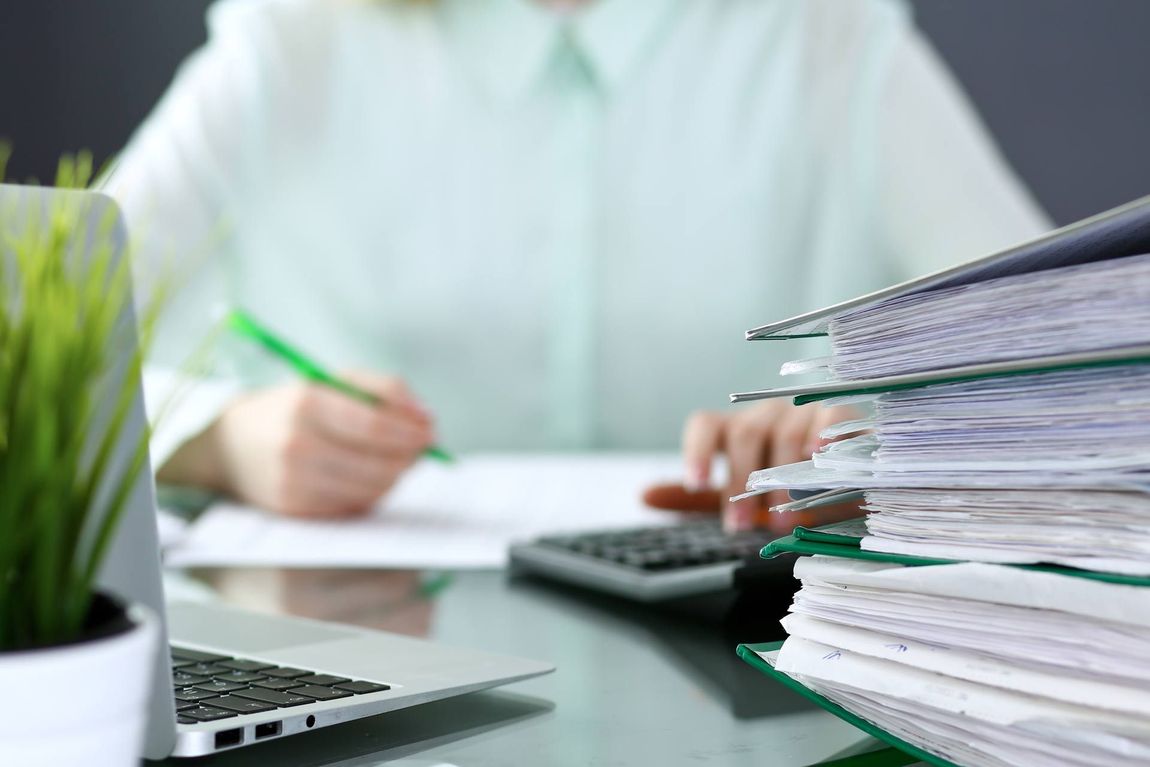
[[245, 325]]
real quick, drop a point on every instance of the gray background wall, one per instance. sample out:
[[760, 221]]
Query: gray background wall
[[1063, 84]]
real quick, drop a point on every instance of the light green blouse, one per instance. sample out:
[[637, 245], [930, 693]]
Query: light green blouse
[[555, 226]]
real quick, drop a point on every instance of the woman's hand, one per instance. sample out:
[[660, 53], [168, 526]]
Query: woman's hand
[[304, 449], [772, 433]]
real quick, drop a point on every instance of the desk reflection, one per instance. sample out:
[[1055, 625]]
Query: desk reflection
[[635, 685], [398, 601]]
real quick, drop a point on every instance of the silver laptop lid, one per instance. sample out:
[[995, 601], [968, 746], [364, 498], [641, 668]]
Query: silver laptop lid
[[132, 568]]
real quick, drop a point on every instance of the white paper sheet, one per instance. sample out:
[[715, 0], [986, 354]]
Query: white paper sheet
[[990, 584], [1092, 530], [463, 515], [1015, 554], [964, 721], [807, 475], [987, 704], [1041, 621], [981, 664], [171, 528], [1102, 693], [1078, 308], [1068, 417], [970, 742], [1072, 429]]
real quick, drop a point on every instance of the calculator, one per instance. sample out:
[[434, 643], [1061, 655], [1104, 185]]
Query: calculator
[[652, 564]]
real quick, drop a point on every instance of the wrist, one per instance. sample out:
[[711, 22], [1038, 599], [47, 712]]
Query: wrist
[[198, 463]]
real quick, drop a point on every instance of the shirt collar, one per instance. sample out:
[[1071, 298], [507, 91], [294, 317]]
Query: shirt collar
[[507, 44], [615, 35]]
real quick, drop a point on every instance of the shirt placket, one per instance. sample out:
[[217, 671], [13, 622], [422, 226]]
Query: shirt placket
[[572, 336]]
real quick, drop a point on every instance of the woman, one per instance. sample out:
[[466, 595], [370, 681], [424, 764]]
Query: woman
[[552, 219]]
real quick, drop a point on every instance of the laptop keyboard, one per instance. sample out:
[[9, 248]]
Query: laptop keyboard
[[210, 687]]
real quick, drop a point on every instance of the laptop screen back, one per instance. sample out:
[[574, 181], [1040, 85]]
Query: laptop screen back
[[132, 568]]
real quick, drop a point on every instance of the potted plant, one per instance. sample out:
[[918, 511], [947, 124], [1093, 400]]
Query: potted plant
[[75, 663]]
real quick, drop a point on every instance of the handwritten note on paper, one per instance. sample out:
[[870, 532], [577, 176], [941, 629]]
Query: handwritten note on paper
[[461, 515]]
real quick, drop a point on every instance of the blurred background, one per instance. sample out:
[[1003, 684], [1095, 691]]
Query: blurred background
[[1063, 84]]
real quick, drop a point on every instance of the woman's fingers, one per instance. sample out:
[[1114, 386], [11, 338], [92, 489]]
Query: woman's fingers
[[322, 478], [385, 430], [747, 439], [791, 436], [392, 391], [309, 450], [316, 495], [702, 441], [767, 435], [362, 474]]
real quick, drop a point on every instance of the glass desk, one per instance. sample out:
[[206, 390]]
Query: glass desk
[[634, 685]]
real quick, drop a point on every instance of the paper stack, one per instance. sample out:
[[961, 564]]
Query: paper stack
[[1008, 421], [1047, 466], [979, 664]]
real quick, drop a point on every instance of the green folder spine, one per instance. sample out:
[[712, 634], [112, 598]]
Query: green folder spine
[[749, 653], [824, 542], [805, 399]]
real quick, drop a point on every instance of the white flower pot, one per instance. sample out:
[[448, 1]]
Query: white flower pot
[[79, 704]]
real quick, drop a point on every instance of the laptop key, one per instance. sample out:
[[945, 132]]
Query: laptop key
[[180, 679], [325, 680], [197, 656], [242, 705], [207, 713], [247, 677], [192, 695], [181, 719], [246, 665], [217, 686], [282, 699], [181, 705], [177, 663], [204, 669], [321, 693], [276, 684], [362, 688], [284, 672]]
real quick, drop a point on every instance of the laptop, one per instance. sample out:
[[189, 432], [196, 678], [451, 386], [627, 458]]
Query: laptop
[[233, 678]]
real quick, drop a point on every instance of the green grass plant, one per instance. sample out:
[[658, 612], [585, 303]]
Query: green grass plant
[[66, 400]]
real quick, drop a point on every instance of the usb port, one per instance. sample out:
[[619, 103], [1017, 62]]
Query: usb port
[[228, 738], [268, 729]]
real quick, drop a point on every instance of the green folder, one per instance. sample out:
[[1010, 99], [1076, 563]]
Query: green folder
[[749, 653], [825, 541], [881, 757], [1116, 233], [1121, 232], [841, 540], [816, 392]]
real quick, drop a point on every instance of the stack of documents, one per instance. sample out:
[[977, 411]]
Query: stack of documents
[[992, 607], [1090, 530], [1045, 467], [971, 450], [978, 664], [1083, 308]]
